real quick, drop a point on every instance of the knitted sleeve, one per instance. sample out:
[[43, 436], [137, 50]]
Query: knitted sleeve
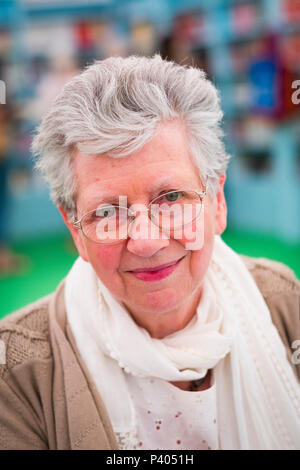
[[19, 427], [281, 291], [25, 355]]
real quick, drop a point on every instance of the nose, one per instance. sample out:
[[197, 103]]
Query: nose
[[145, 238]]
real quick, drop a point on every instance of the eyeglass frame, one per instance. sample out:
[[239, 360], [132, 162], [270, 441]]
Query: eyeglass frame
[[77, 223]]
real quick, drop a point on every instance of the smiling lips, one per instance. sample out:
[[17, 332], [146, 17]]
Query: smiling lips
[[157, 273]]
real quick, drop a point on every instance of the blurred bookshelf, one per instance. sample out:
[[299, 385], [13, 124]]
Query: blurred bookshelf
[[249, 49]]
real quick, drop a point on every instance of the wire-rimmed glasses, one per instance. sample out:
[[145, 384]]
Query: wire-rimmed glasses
[[109, 223]]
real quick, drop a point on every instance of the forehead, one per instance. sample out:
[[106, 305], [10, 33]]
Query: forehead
[[165, 159]]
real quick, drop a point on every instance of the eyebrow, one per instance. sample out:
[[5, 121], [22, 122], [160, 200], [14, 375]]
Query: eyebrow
[[111, 198]]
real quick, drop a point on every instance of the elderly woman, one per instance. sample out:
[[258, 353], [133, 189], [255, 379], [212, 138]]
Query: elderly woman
[[160, 336]]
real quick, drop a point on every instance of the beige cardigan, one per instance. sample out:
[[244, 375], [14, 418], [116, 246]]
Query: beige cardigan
[[47, 397]]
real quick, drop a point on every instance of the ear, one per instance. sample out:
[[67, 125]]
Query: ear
[[221, 209], [76, 235]]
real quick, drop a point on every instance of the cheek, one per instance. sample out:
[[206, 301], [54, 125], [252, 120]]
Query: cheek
[[200, 258], [104, 259], [196, 235], [201, 246]]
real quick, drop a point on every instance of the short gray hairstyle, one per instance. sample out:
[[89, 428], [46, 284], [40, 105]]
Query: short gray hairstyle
[[114, 107]]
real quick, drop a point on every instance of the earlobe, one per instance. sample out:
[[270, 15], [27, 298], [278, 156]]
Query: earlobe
[[221, 221], [221, 211]]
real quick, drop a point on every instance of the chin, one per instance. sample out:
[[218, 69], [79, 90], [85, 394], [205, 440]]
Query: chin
[[162, 301]]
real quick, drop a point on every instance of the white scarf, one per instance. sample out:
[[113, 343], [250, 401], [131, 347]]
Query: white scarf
[[258, 397]]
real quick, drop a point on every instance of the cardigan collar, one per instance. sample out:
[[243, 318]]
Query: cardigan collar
[[91, 429]]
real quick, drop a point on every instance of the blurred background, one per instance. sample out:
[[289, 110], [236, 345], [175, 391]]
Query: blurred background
[[250, 49]]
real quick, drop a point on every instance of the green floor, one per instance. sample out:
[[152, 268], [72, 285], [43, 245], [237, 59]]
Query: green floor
[[48, 261]]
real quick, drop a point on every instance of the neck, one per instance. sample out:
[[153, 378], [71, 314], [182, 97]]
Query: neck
[[186, 385]]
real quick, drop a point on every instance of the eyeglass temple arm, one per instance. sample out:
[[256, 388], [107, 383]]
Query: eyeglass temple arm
[[76, 223], [204, 192]]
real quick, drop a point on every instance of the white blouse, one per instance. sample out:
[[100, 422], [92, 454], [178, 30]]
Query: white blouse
[[169, 418]]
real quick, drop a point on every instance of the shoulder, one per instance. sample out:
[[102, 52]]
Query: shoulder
[[280, 288], [272, 277], [26, 377], [24, 335]]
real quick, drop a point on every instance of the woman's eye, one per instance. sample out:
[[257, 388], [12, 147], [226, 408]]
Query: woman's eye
[[174, 196], [105, 212]]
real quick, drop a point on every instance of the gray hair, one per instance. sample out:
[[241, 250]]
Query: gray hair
[[114, 107]]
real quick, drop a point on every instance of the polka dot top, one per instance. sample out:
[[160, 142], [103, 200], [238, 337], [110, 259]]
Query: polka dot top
[[170, 418]]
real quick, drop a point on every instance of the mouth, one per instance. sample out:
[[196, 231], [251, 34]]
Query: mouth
[[156, 273]]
